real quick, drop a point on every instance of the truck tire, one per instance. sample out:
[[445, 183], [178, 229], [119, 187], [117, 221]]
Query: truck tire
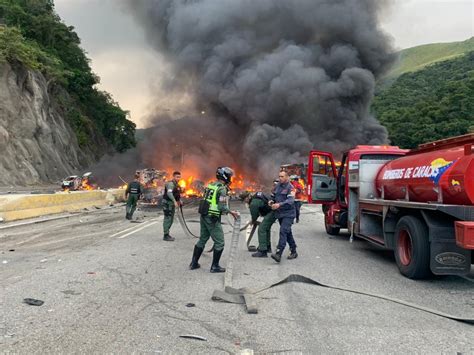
[[412, 248], [329, 228]]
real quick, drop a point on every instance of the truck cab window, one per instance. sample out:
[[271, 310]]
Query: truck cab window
[[322, 165]]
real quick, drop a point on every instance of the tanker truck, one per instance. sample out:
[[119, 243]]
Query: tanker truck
[[418, 203]]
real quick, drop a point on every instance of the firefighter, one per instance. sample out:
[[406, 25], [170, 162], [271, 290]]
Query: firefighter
[[299, 191], [132, 194], [211, 207], [284, 209], [171, 201], [264, 229]]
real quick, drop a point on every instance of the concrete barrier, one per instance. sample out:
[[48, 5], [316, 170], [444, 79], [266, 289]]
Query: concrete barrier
[[16, 207]]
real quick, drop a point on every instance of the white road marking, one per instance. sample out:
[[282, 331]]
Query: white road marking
[[68, 239], [135, 226], [30, 239], [123, 231], [137, 230]]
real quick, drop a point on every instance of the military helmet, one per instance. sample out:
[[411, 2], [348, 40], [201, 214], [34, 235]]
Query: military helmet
[[225, 174]]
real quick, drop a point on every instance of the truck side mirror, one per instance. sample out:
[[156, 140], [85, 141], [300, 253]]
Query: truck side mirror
[[322, 187]]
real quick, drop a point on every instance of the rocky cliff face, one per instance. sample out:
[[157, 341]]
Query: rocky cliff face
[[36, 143]]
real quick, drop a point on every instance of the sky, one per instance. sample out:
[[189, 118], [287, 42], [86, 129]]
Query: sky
[[130, 70]]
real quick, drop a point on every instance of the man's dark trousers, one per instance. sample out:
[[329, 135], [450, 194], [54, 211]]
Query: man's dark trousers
[[286, 235]]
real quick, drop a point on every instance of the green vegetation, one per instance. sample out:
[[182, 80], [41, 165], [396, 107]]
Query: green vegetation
[[416, 58], [34, 36], [433, 103]]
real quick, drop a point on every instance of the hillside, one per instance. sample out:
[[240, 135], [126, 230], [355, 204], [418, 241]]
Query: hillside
[[432, 103], [53, 118], [416, 58]]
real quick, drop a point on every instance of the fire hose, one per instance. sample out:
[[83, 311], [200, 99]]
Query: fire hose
[[244, 295], [247, 296], [184, 225]]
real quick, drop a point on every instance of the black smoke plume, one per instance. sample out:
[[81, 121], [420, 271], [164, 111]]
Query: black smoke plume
[[275, 78]]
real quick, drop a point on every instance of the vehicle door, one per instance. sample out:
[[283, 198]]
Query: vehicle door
[[322, 178]]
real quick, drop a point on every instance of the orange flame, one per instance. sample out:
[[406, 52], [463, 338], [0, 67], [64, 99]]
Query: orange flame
[[187, 188], [86, 186]]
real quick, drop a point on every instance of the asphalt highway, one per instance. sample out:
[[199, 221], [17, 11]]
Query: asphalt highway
[[111, 286]]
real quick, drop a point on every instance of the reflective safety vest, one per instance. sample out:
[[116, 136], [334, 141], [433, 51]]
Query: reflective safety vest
[[134, 188], [211, 197]]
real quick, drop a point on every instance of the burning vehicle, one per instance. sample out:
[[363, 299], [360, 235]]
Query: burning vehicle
[[153, 182], [77, 183], [71, 183], [296, 169]]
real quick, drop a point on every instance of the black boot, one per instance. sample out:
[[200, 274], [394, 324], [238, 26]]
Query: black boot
[[260, 254], [293, 255], [215, 261], [277, 256], [168, 238], [196, 255]]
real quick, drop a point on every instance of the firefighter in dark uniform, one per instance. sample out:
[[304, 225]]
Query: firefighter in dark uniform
[[132, 194], [211, 207], [171, 201], [284, 209]]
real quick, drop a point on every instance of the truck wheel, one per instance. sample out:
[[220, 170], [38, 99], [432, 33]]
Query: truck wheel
[[330, 229], [412, 250]]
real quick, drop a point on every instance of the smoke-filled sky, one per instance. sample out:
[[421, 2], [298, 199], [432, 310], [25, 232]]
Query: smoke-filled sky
[[250, 84], [125, 62]]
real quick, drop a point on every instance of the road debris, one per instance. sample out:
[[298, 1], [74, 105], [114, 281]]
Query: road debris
[[33, 302], [190, 305], [191, 336], [71, 292]]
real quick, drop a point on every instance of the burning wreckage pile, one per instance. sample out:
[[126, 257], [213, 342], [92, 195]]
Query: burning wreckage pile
[[153, 182]]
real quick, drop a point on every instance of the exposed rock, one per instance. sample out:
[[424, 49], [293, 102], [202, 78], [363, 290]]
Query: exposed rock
[[37, 144]]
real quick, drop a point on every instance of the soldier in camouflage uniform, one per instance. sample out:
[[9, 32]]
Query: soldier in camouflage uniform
[[171, 201], [132, 194], [213, 205]]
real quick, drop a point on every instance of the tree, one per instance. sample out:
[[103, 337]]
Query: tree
[[433, 103]]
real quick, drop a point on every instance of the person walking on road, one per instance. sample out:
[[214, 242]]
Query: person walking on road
[[299, 191], [211, 207], [284, 209], [132, 195], [171, 201]]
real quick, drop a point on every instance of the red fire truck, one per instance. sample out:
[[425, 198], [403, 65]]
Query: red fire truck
[[418, 203]]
